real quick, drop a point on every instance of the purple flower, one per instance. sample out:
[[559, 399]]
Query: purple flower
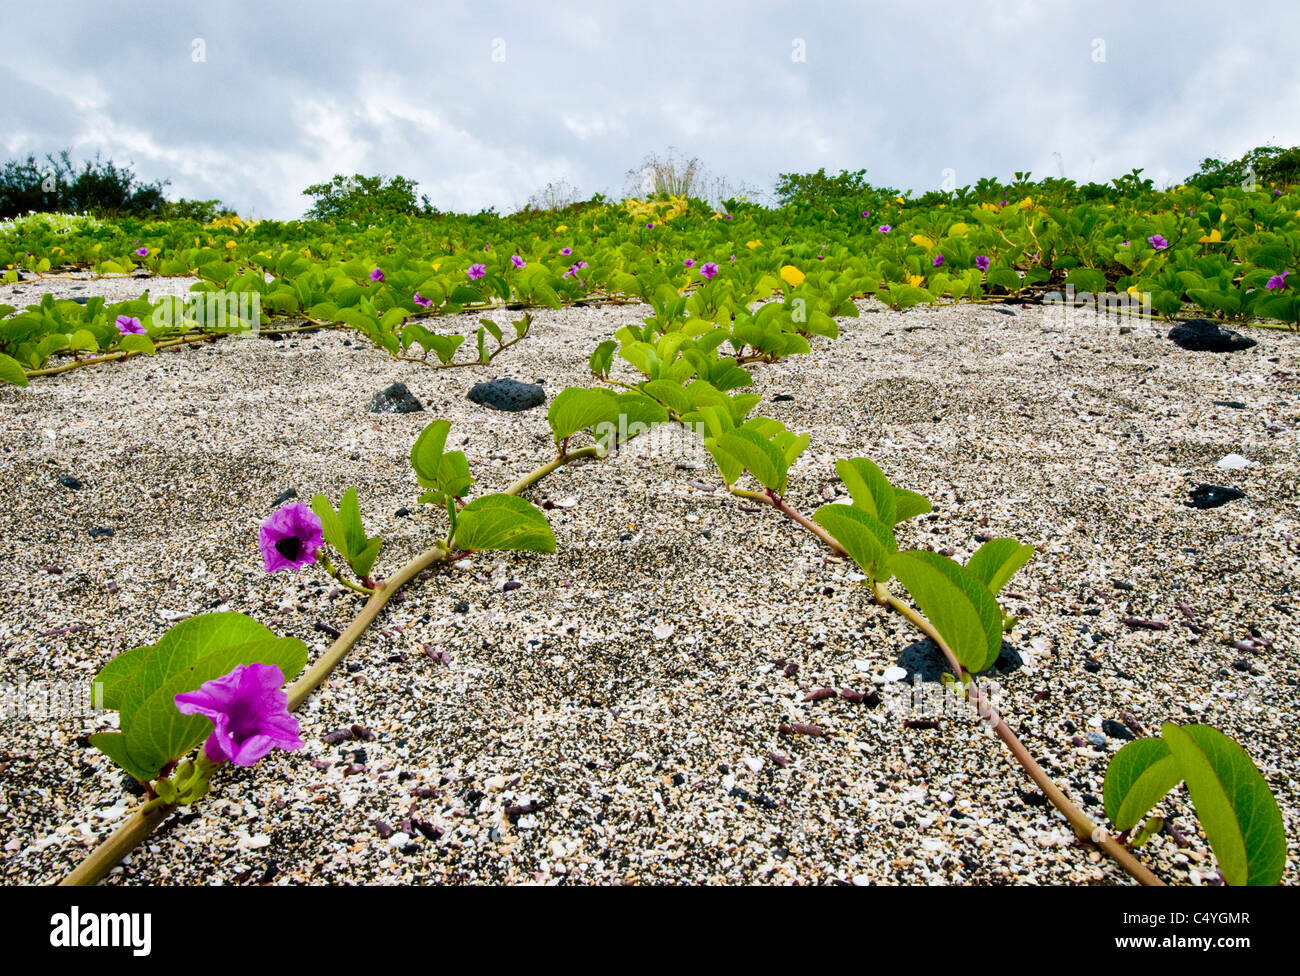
[[982, 262], [866, 213], [142, 252], [1125, 244], [129, 326], [938, 260], [649, 226], [477, 271], [1157, 242], [1277, 193], [884, 228], [487, 247], [289, 538], [249, 711], [376, 275], [733, 258], [728, 216], [689, 262], [421, 300], [517, 261], [708, 269], [566, 251], [1277, 282]]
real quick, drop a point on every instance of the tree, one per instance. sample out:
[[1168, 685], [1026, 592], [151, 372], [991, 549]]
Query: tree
[[360, 197]]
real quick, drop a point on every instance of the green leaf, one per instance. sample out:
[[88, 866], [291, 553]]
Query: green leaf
[[603, 358], [577, 409], [353, 529], [11, 371], [759, 456], [83, 340], [869, 541], [426, 452], [115, 676], [671, 394], [184, 644], [869, 488], [996, 561], [364, 561], [959, 606], [137, 343], [1137, 779], [331, 525], [1237, 811], [909, 504], [113, 745], [503, 522]]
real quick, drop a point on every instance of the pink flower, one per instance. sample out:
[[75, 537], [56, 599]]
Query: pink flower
[[708, 269], [128, 325], [517, 261], [982, 262], [421, 300], [477, 271], [376, 275], [1157, 242], [938, 260], [884, 228], [249, 711], [689, 262], [566, 251], [142, 252], [1277, 282], [289, 538]]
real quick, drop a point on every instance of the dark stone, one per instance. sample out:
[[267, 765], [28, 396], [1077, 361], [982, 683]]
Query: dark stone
[[69, 482], [1201, 335], [101, 532], [395, 399], [80, 299], [462, 606], [504, 393], [283, 497], [1116, 730], [1234, 404], [1212, 496], [782, 398], [403, 513]]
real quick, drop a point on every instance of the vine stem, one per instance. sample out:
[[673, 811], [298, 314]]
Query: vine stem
[[1082, 824], [145, 820], [121, 354], [530, 479]]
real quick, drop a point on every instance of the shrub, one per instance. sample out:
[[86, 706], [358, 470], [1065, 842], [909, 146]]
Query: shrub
[[360, 197]]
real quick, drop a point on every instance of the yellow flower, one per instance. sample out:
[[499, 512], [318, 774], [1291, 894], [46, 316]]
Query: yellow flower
[[562, 228], [230, 244], [792, 276], [1213, 237], [922, 241], [752, 244], [917, 280], [435, 267]]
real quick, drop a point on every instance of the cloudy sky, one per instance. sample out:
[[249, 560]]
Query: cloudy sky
[[485, 102]]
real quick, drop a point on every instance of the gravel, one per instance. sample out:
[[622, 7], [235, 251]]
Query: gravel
[[648, 704]]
